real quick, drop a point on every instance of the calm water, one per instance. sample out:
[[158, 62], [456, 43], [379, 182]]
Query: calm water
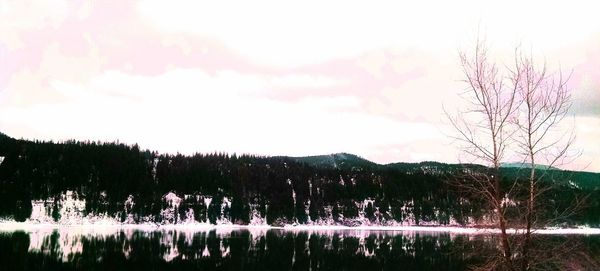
[[75, 249]]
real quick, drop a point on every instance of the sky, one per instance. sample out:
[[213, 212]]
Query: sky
[[277, 77]]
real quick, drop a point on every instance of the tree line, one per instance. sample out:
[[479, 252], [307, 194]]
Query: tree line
[[281, 189]]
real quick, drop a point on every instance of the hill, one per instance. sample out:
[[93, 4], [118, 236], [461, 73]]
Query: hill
[[525, 165], [336, 160], [81, 181]]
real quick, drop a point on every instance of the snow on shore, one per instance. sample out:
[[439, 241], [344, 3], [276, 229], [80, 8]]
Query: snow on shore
[[69, 212], [110, 226]]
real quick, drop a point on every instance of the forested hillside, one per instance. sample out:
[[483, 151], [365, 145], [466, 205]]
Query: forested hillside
[[83, 180]]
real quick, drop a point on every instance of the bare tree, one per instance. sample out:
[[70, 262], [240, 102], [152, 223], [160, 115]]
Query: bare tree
[[484, 129], [545, 101], [517, 112]]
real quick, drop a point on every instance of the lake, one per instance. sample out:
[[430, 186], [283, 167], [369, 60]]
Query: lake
[[240, 249]]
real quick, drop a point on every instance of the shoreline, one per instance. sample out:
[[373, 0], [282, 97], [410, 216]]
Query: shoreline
[[7, 226]]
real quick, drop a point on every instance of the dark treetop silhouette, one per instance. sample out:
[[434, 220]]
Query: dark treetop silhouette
[[340, 188]]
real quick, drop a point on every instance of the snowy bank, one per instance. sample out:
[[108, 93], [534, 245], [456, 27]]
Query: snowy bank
[[7, 226]]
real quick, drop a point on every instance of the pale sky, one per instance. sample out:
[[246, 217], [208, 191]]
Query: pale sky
[[276, 77]]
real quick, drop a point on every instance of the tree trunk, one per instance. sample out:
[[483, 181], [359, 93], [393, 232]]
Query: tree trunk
[[506, 249], [529, 216]]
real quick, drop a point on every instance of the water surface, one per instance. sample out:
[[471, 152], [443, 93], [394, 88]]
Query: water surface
[[237, 249]]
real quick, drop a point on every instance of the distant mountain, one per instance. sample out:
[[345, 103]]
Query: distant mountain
[[526, 165], [336, 160], [348, 161]]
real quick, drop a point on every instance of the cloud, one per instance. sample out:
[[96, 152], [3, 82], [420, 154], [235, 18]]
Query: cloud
[[189, 110], [587, 98], [307, 32], [585, 80], [114, 37], [587, 131]]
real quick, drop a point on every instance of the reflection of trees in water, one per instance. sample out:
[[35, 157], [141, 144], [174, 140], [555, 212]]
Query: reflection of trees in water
[[240, 250]]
